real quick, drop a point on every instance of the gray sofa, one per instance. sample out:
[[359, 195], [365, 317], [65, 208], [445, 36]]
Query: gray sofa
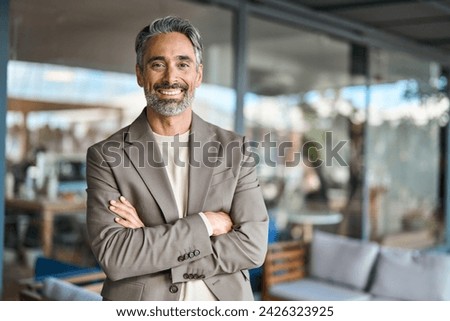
[[60, 290], [342, 268]]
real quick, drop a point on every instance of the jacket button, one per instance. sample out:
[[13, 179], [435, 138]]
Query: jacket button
[[173, 288], [196, 252], [186, 276], [180, 258], [186, 256], [191, 276], [191, 255]]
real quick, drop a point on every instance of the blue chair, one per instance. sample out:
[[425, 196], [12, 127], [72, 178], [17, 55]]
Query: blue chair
[[256, 274], [48, 267], [61, 281]]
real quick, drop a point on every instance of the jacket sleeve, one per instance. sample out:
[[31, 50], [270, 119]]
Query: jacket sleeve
[[245, 246], [124, 252]]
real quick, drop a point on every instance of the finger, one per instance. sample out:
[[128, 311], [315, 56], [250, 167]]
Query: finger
[[125, 223], [122, 211], [122, 222], [127, 213], [118, 211], [119, 205], [124, 203], [127, 203], [122, 206]]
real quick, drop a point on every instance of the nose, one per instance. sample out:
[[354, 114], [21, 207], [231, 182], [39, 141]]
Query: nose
[[170, 74]]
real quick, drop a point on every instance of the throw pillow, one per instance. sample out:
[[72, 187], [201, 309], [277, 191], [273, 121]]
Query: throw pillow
[[341, 259], [412, 275]]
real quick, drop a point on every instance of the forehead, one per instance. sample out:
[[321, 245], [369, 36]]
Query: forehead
[[168, 45]]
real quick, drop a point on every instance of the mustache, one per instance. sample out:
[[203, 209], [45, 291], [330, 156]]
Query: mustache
[[166, 85]]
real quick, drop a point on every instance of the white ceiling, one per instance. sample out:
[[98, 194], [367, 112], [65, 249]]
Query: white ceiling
[[96, 34], [99, 34]]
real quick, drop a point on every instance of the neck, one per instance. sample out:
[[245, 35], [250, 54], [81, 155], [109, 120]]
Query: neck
[[169, 125]]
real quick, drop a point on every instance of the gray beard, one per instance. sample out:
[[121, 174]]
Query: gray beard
[[168, 107]]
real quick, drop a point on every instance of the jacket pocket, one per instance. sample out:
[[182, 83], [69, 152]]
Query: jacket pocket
[[123, 291]]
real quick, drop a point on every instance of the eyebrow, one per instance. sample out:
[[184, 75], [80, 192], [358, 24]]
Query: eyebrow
[[184, 58], [180, 58]]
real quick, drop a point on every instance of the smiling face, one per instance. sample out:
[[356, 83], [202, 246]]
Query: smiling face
[[169, 73]]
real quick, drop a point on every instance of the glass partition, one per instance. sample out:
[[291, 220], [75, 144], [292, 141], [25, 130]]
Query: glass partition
[[407, 111], [300, 112]]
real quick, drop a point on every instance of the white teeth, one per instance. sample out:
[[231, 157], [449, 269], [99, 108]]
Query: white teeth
[[171, 92]]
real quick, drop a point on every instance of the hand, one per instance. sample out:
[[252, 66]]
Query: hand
[[128, 217], [220, 222]]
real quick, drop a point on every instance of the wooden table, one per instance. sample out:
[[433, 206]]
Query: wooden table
[[48, 210]]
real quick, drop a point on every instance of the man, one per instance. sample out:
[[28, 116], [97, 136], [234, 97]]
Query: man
[[174, 208]]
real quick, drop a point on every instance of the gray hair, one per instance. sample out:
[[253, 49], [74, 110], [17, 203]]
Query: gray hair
[[167, 25]]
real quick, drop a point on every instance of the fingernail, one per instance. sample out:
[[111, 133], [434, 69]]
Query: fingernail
[[113, 202], [122, 198], [112, 208]]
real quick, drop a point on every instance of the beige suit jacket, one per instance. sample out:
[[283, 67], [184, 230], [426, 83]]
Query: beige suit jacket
[[150, 263]]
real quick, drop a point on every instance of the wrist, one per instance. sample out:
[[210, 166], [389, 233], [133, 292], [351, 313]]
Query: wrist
[[207, 223]]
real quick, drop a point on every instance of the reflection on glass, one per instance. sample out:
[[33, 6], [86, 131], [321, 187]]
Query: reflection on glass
[[407, 112], [297, 111], [302, 93]]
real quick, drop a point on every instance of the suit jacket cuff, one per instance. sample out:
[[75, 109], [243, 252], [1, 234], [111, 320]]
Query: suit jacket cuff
[[197, 250], [207, 224]]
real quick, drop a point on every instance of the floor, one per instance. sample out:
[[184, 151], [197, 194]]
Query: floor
[[12, 273], [22, 247], [19, 267]]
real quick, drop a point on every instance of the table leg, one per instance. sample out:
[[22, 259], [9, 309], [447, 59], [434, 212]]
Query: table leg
[[307, 232], [47, 232], [302, 232]]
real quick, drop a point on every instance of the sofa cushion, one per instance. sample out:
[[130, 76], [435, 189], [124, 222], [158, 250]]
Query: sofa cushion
[[412, 275], [309, 289], [59, 290], [341, 259]]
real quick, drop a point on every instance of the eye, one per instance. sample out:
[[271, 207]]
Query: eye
[[157, 65], [183, 65]]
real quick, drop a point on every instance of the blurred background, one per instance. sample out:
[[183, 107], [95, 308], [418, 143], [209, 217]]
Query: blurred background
[[358, 88]]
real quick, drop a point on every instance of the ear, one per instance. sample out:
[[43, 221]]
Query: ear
[[199, 78], [139, 76]]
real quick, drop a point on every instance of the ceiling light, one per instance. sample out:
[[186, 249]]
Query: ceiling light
[[59, 76]]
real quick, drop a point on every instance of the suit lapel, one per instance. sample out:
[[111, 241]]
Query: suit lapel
[[200, 173], [140, 146]]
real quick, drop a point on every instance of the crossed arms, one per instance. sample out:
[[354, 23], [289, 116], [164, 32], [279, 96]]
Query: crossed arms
[[126, 246], [128, 217]]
